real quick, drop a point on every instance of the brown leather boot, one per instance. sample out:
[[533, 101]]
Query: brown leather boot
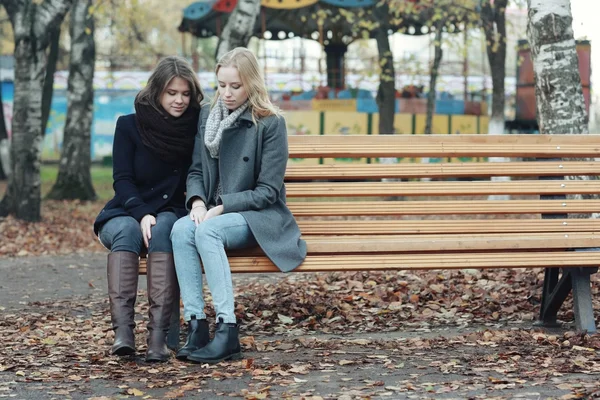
[[162, 287], [122, 273]]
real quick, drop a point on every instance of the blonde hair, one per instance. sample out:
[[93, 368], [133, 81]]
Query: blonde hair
[[247, 65], [168, 68]]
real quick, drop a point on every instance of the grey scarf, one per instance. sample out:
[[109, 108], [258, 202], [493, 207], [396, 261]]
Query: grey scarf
[[219, 119]]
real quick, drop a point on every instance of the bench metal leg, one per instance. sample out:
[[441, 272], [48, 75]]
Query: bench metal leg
[[582, 299], [174, 328], [556, 292]]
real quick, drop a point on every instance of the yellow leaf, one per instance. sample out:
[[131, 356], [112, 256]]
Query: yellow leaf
[[135, 392]]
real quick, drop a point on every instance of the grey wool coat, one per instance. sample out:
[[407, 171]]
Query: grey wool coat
[[251, 168]]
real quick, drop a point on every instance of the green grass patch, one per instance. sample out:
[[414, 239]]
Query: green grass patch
[[101, 179]]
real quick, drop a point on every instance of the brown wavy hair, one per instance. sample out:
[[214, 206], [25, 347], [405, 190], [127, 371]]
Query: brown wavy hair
[[168, 68]]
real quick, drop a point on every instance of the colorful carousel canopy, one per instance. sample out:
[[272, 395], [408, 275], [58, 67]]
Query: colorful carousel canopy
[[337, 21], [334, 23]]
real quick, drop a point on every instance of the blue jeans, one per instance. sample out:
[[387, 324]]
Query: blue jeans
[[124, 234], [206, 243]]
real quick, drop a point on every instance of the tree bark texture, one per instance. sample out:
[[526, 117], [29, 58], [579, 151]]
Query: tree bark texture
[[433, 74], [239, 27], [386, 92], [48, 90], [4, 145], [558, 94], [559, 97], [30, 22], [493, 19], [74, 179]]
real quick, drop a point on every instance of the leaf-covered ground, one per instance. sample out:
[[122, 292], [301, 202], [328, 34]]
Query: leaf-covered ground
[[398, 335]]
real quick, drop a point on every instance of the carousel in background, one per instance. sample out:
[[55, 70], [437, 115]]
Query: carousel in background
[[335, 104]]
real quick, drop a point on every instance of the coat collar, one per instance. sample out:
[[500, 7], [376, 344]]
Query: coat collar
[[247, 115]]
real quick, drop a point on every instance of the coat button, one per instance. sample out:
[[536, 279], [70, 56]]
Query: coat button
[[249, 124], [165, 196], [246, 159]]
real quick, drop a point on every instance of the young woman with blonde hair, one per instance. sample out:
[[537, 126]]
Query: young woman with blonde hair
[[236, 199]]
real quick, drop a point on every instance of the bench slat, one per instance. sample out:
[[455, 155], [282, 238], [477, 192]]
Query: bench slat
[[440, 260], [361, 189], [451, 207], [511, 259], [418, 227], [440, 243], [444, 146], [440, 170]]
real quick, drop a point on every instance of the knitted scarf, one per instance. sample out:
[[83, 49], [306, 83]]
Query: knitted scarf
[[170, 138], [219, 119]]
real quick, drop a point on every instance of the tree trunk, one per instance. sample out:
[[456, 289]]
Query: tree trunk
[[239, 27], [386, 93], [493, 20], [31, 22], [4, 144], [433, 74], [558, 94], [48, 89], [559, 97], [74, 179]]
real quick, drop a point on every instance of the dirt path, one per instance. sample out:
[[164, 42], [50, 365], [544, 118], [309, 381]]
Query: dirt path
[[55, 327]]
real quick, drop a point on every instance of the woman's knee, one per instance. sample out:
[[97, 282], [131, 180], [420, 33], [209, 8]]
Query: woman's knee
[[161, 237], [183, 230], [125, 234], [206, 231]]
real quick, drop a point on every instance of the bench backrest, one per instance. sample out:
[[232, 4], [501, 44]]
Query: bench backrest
[[357, 212]]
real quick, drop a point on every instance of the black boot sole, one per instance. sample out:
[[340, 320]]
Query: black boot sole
[[230, 357], [157, 358], [123, 351], [182, 354]]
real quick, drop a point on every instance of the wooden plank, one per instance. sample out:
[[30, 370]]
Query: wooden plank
[[440, 170], [418, 227], [388, 244], [444, 146], [456, 188], [513, 259], [450, 207], [438, 260]]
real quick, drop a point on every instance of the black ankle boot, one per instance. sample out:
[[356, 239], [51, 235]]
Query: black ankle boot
[[197, 337], [224, 346]]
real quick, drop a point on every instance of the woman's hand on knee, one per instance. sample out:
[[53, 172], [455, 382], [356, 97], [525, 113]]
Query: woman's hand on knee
[[146, 225]]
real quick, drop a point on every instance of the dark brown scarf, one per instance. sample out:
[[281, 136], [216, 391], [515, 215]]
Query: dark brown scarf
[[171, 139]]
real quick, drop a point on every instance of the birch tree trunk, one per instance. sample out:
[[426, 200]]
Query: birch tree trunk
[[74, 179], [493, 20], [30, 22], [559, 97], [239, 27], [558, 94]]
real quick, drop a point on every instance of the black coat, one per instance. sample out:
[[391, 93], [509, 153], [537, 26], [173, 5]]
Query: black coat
[[143, 183]]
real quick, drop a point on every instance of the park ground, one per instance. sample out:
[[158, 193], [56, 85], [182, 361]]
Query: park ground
[[465, 334]]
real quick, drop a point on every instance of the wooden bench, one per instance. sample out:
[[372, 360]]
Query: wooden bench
[[373, 216]]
